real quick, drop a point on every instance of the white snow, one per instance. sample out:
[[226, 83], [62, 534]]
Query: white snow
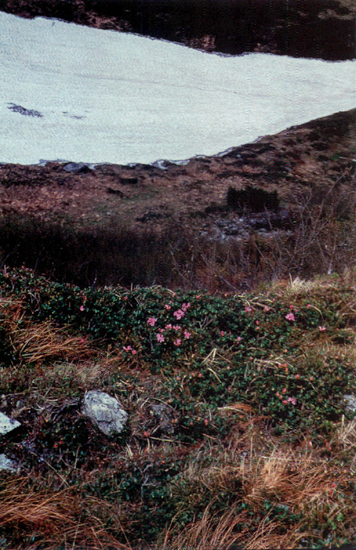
[[113, 97]]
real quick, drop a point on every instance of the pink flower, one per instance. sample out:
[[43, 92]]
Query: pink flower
[[290, 316], [176, 327], [266, 308], [222, 333], [238, 339], [285, 402], [187, 334], [177, 342], [284, 391], [133, 352], [322, 329], [186, 306], [127, 348], [292, 400], [168, 327], [161, 330], [152, 321], [309, 306], [248, 309], [160, 337], [167, 306], [82, 308], [198, 296], [179, 314]]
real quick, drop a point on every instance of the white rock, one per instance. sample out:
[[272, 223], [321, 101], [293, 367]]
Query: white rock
[[7, 464], [105, 412], [349, 403], [7, 424]]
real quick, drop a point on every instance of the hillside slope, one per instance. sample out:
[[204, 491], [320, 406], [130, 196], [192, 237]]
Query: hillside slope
[[240, 430]]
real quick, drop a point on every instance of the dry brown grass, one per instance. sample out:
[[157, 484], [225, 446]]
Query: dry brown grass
[[44, 342], [253, 470], [213, 532], [53, 518], [208, 533], [40, 342]]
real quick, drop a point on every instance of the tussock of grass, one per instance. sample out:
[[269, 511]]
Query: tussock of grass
[[52, 518], [42, 343]]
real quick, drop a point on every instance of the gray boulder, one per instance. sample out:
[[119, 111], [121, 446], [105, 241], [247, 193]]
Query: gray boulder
[[105, 412], [7, 424]]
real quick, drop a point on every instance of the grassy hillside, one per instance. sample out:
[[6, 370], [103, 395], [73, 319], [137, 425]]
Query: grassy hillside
[[238, 433]]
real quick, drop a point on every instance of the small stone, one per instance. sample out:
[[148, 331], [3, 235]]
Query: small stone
[[349, 403], [76, 168], [105, 412], [7, 424]]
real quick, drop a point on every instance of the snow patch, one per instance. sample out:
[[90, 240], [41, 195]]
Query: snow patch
[[98, 96]]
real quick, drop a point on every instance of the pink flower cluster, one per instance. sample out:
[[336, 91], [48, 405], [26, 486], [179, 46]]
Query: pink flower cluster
[[129, 348], [179, 314], [290, 316], [288, 400]]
